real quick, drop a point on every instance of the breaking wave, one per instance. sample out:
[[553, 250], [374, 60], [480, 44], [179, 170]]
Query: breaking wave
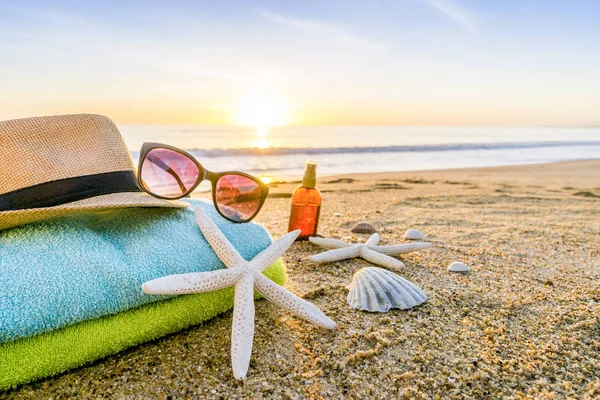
[[284, 151]]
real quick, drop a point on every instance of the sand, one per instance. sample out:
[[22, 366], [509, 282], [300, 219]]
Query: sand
[[523, 324]]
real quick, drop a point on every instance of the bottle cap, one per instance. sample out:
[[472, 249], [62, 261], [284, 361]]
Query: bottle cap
[[310, 174]]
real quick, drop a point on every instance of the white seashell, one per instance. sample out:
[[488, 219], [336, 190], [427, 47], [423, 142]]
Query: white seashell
[[378, 290], [457, 266], [413, 234]]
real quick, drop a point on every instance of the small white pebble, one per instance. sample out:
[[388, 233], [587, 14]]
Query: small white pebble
[[337, 214], [199, 368], [457, 266], [413, 234]]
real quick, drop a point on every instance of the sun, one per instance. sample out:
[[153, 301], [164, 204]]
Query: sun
[[262, 111]]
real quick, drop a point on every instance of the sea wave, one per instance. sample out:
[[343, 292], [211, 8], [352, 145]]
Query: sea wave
[[284, 151]]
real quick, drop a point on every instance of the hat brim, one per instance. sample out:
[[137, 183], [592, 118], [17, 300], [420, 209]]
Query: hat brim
[[10, 219]]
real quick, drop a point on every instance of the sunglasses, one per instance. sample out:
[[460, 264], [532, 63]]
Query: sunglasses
[[169, 173]]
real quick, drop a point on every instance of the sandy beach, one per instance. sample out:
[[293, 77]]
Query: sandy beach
[[523, 324]]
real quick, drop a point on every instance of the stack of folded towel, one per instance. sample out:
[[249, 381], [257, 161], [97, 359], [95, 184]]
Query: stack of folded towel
[[71, 287]]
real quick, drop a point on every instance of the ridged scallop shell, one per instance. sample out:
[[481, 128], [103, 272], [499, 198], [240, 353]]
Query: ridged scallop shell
[[363, 227], [378, 290]]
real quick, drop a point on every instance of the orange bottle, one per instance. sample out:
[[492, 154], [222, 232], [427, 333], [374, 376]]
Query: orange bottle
[[306, 204]]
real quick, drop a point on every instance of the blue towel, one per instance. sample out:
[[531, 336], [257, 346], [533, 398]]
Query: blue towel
[[63, 271]]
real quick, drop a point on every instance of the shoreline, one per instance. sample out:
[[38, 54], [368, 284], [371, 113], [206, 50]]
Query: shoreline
[[287, 177], [581, 174], [554, 166]]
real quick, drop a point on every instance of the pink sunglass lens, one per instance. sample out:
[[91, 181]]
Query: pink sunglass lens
[[238, 197], [167, 173]]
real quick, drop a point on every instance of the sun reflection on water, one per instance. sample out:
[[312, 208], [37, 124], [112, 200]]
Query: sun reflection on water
[[262, 143], [262, 131]]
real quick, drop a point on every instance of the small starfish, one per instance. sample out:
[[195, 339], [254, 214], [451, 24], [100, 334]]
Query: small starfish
[[369, 251], [246, 276]]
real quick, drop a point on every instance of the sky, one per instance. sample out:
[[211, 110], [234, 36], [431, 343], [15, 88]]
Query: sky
[[328, 62]]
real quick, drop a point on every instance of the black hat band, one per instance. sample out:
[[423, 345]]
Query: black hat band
[[62, 191]]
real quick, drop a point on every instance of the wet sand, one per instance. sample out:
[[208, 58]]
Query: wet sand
[[523, 324]]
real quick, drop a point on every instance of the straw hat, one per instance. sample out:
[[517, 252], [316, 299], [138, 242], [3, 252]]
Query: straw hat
[[61, 165]]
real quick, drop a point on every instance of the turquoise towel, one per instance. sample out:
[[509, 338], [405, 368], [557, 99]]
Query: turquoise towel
[[68, 270]]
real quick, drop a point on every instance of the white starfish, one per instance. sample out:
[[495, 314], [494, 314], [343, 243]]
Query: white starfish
[[246, 276], [369, 251]]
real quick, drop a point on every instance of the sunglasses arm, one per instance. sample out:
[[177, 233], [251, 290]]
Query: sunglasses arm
[[159, 163]]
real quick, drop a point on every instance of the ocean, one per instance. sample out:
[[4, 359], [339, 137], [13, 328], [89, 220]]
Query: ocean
[[280, 153]]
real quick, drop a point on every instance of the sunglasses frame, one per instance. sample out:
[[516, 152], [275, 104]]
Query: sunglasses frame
[[204, 174]]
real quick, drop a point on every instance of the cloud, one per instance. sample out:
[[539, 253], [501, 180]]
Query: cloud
[[325, 30], [455, 12]]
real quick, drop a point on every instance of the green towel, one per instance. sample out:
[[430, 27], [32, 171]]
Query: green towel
[[50, 353]]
